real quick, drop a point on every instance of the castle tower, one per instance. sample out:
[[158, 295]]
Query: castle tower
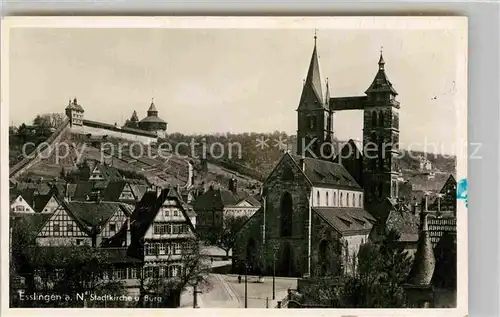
[[313, 114], [153, 123], [419, 287], [380, 139], [75, 114]]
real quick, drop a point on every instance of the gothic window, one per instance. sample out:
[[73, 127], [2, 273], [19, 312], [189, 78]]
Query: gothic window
[[341, 199], [381, 119], [394, 189], [374, 119], [327, 198], [324, 254], [312, 122], [286, 212], [318, 198], [360, 200], [381, 152], [347, 204]]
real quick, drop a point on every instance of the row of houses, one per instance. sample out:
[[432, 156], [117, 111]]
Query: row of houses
[[136, 232]]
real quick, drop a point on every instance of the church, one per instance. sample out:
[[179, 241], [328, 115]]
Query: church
[[318, 208]]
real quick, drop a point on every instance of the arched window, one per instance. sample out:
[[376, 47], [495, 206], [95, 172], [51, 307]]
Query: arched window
[[286, 213], [374, 119], [381, 153], [381, 119], [360, 200], [318, 198], [341, 202], [334, 198], [347, 204], [324, 256], [327, 198], [312, 122], [394, 189]]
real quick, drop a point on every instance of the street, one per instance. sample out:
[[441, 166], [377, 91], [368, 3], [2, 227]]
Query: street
[[226, 292]]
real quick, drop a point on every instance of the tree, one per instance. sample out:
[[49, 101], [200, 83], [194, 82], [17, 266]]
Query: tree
[[164, 290], [381, 271], [225, 237], [58, 270], [133, 122]]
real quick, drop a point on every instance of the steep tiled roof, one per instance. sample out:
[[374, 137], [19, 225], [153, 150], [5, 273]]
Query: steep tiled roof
[[82, 190], [113, 191], [40, 201], [92, 214], [217, 199], [321, 172], [405, 223], [381, 82], [347, 220], [152, 119], [145, 211], [424, 261], [139, 190], [109, 172]]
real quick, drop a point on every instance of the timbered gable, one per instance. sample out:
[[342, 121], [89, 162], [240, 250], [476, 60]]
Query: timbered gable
[[114, 224], [127, 194], [62, 229], [20, 205]]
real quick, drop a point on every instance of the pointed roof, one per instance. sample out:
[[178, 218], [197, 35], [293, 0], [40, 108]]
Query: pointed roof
[[424, 261], [381, 82], [152, 107], [327, 95], [312, 92]]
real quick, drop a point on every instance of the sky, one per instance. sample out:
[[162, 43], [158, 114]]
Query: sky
[[233, 80]]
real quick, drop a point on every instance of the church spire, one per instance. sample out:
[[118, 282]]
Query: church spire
[[381, 61], [312, 92], [381, 83]]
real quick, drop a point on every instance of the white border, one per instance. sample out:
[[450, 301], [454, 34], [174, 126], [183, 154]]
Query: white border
[[451, 24]]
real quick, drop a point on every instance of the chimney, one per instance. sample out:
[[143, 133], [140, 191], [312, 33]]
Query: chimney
[[66, 193], [302, 163], [233, 185], [129, 234]]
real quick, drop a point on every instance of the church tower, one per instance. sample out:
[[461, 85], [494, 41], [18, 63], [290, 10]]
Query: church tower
[[380, 139], [313, 114]]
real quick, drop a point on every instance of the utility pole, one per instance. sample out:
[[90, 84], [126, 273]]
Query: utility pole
[[274, 275], [246, 290], [195, 296]]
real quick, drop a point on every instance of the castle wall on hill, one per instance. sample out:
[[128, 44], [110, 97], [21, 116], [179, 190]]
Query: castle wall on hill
[[95, 131]]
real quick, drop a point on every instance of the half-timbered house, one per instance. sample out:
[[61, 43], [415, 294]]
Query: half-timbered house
[[21, 202], [160, 228], [83, 223]]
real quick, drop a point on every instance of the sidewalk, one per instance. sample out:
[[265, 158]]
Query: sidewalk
[[187, 299]]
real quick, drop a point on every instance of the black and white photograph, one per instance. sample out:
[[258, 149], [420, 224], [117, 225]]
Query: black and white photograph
[[272, 163]]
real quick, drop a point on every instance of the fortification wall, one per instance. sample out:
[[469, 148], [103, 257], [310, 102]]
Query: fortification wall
[[95, 131], [41, 152]]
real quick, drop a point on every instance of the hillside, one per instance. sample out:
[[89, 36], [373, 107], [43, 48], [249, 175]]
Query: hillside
[[218, 157]]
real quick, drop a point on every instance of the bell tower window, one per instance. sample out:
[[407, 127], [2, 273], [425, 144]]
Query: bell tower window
[[312, 122]]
